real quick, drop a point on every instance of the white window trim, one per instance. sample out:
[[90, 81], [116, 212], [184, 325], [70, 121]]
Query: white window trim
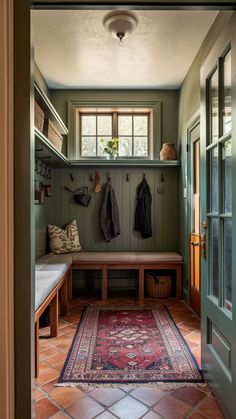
[[74, 132]]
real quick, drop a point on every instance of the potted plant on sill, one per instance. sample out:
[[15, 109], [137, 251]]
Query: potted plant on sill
[[112, 148]]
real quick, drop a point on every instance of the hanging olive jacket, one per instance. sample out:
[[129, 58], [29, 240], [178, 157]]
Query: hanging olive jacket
[[143, 221], [109, 214]]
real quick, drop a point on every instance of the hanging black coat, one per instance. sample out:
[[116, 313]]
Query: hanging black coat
[[109, 215], [143, 210]]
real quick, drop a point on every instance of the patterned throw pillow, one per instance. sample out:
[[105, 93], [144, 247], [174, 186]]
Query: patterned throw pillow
[[64, 241]]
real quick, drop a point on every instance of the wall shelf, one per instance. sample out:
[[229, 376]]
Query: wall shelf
[[45, 151], [49, 110], [124, 163]]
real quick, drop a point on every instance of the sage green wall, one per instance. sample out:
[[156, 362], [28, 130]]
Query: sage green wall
[[42, 212], [43, 217], [168, 99], [164, 208], [189, 105]]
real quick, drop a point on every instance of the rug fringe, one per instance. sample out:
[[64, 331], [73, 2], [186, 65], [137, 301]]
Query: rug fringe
[[160, 385]]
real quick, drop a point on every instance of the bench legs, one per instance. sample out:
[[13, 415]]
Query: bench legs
[[54, 313], [104, 283], [36, 346], [70, 284], [141, 283], [178, 281], [64, 297]]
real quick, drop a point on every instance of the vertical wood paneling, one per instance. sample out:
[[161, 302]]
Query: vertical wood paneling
[[64, 198], [135, 179], [164, 208], [157, 203], [56, 193], [126, 223], [43, 216]]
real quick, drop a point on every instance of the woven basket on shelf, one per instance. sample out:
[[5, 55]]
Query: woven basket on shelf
[[158, 286], [38, 117], [53, 135]]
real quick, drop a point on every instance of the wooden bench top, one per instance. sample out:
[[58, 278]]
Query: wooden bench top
[[126, 257]]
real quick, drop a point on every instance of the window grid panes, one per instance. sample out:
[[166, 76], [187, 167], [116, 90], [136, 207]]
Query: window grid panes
[[214, 106], [227, 93], [219, 206], [133, 135], [97, 129], [214, 257], [226, 220]]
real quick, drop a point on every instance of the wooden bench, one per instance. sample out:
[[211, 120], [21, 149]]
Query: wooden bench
[[140, 261], [52, 275]]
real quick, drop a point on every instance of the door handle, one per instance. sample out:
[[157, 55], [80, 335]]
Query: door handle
[[195, 244]]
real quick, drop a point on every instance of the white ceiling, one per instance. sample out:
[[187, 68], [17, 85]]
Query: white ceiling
[[73, 50]]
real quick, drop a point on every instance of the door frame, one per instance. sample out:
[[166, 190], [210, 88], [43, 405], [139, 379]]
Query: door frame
[[193, 123], [24, 169], [209, 309], [6, 213]]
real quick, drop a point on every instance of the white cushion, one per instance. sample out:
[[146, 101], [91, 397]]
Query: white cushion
[[52, 262], [126, 257], [45, 281]]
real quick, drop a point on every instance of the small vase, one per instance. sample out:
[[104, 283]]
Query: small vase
[[168, 152], [111, 156]]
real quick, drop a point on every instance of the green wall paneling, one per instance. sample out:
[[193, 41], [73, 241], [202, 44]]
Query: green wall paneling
[[43, 217], [164, 208]]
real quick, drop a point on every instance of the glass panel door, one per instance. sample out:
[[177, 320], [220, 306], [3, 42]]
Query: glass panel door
[[218, 194]]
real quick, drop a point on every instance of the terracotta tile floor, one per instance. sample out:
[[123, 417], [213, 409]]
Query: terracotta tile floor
[[121, 402]]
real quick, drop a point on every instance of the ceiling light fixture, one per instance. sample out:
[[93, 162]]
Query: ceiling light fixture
[[120, 24]]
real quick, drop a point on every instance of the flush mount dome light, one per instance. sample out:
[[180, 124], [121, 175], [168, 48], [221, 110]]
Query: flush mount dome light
[[120, 24]]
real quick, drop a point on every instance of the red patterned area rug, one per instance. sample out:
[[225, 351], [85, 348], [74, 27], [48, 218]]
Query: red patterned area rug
[[129, 345]]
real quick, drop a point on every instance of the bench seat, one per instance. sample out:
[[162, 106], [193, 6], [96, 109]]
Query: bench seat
[[140, 261], [52, 262], [45, 281], [52, 275], [126, 257]]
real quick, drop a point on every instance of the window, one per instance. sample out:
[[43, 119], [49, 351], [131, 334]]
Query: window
[[219, 157], [132, 129]]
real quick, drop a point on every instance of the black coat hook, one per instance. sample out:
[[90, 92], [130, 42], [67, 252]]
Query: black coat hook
[[108, 176], [127, 177], [91, 178], [162, 178], [71, 177], [144, 176]]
